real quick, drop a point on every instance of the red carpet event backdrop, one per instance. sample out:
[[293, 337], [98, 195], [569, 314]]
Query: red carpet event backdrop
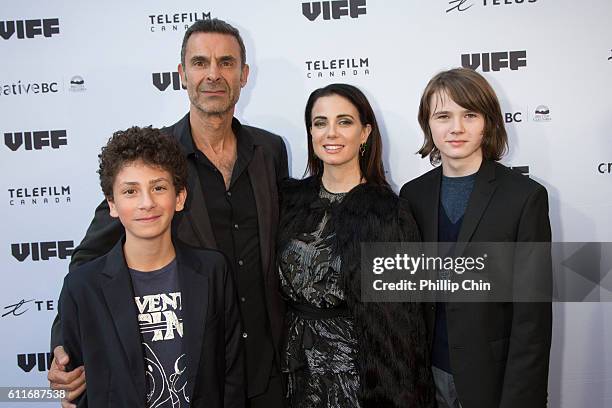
[[74, 72]]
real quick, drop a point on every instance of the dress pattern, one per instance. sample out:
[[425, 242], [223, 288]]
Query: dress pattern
[[321, 345]]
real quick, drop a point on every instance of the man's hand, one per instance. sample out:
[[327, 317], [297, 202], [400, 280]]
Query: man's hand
[[72, 381]]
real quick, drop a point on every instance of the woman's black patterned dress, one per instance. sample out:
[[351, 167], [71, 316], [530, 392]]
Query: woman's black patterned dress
[[321, 347]]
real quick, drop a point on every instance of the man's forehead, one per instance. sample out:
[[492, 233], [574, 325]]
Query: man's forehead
[[217, 43]]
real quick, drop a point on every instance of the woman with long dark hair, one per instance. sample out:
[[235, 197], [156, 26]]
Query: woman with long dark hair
[[339, 351]]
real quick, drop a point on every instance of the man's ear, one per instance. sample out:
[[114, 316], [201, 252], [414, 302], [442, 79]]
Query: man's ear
[[182, 75], [180, 200], [112, 208], [244, 75]]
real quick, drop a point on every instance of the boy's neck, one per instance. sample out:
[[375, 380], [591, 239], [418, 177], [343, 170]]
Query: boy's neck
[[460, 168], [146, 255]]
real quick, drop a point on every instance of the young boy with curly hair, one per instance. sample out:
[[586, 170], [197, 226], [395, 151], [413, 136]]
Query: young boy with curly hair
[[154, 322]]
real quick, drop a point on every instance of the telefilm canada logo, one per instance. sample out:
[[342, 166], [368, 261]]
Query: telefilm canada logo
[[334, 9], [35, 140], [38, 196], [175, 21], [22, 306], [495, 61], [28, 361], [42, 251], [167, 81], [337, 68], [27, 29], [464, 5]]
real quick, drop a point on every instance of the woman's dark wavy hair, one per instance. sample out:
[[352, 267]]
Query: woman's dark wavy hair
[[469, 90], [148, 145], [371, 164]]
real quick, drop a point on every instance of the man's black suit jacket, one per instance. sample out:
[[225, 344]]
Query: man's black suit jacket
[[192, 225], [499, 352], [100, 329]]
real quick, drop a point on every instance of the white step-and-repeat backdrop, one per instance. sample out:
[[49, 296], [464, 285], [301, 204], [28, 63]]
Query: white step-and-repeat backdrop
[[75, 71]]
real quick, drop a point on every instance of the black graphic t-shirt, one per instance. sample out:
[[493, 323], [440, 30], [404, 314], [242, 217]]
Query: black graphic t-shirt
[[160, 318]]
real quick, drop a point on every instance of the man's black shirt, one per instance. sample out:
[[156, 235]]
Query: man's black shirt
[[233, 217]]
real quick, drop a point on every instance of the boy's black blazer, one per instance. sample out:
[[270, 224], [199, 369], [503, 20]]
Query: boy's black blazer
[[499, 352], [100, 330]]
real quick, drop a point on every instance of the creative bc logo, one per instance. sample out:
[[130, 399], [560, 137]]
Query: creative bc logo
[[334, 9], [542, 114], [16, 309], [77, 84], [338, 68], [176, 21], [27, 362], [495, 61], [36, 140], [25, 29], [165, 80], [42, 251], [604, 168], [36, 196], [513, 117], [26, 88]]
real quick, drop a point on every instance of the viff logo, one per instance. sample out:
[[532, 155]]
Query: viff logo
[[27, 362], [495, 61], [42, 251], [23, 29], [162, 80], [334, 9], [36, 140]]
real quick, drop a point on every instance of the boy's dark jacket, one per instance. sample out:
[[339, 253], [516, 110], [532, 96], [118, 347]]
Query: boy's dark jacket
[[393, 354], [100, 330], [499, 352]]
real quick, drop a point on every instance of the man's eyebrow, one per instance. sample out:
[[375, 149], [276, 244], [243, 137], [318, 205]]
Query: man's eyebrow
[[199, 58], [225, 58]]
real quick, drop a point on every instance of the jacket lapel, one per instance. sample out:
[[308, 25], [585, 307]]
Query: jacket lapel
[[262, 192], [194, 293], [484, 187], [432, 207], [119, 297], [196, 213]]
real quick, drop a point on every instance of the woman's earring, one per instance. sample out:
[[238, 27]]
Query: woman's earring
[[362, 148]]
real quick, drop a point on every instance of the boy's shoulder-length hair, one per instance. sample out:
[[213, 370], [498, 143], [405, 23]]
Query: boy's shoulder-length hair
[[470, 90]]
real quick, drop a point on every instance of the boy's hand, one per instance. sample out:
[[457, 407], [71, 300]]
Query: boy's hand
[[72, 381]]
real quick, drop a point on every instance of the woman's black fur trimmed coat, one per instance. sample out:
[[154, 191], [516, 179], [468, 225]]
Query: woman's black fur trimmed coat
[[393, 357]]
